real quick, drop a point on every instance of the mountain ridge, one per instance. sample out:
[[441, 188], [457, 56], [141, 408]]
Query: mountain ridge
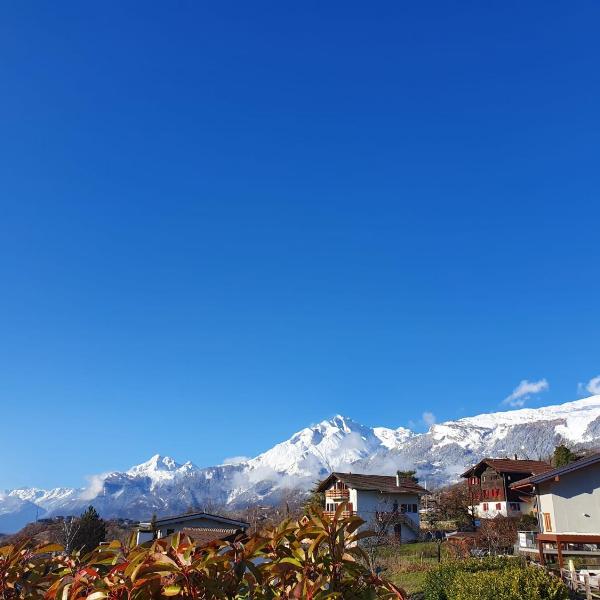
[[162, 485]]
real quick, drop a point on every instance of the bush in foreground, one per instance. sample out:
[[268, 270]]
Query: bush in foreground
[[494, 578], [317, 559], [525, 583]]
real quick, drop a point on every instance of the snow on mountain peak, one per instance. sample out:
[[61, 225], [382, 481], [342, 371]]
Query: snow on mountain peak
[[576, 415], [163, 486], [156, 463], [161, 468]]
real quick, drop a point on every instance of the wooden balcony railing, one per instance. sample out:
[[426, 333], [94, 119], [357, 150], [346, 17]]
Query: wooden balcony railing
[[345, 514], [337, 493]]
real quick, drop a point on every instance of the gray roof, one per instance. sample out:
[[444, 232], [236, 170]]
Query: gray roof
[[582, 463], [197, 515], [380, 483]]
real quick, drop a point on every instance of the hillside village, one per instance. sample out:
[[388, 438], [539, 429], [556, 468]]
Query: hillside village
[[543, 512], [540, 509]]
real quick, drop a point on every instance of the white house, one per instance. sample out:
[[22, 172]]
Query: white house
[[202, 527], [567, 504], [389, 503]]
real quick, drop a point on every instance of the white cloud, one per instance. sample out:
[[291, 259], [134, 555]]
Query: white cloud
[[428, 418], [592, 386], [94, 487], [236, 460], [524, 391]]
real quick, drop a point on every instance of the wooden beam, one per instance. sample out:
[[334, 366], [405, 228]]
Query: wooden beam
[[541, 552], [569, 538], [559, 553]]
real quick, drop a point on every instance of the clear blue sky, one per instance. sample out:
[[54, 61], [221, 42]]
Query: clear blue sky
[[221, 222]]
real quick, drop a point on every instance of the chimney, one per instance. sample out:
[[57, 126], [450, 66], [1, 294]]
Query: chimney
[[397, 478]]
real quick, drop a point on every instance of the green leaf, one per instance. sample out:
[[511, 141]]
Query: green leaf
[[171, 590]]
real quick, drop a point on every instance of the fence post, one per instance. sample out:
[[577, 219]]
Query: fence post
[[588, 591], [573, 576]]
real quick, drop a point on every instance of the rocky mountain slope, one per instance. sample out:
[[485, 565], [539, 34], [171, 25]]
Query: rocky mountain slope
[[163, 486]]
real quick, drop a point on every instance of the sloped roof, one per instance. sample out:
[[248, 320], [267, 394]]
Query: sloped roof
[[582, 463], [379, 483], [204, 536], [510, 465], [198, 515]]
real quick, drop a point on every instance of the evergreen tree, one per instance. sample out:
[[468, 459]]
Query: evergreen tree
[[315, 500], [563, 456], [92, 531], [410, 475]]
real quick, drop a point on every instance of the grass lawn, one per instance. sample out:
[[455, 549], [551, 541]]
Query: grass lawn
[[406, 565]]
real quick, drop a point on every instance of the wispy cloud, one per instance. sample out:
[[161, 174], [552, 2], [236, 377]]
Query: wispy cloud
[[236, 460], [95, 485], [428, 418], [524, 391], [591, 387]]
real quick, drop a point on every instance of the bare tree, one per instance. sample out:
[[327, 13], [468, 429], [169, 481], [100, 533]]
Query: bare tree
[[68, 534], [497, 535]]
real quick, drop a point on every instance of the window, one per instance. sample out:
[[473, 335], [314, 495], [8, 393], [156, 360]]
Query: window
[[547, 523], [515, 506], [498, 506], [170, 531], [414, 508], [485, 507]]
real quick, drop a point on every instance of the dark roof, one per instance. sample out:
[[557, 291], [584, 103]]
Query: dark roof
[[510, 465], [196, 515], [582, 463], [380, 483], [204, 536]]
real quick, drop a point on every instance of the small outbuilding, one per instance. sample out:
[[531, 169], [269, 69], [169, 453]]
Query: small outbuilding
[[202, 527]]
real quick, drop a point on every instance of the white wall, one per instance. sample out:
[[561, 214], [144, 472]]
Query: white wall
[[505, 509], [370, 502]]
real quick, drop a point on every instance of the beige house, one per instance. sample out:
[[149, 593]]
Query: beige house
[[202, 527], [567, 505], [388, 503]]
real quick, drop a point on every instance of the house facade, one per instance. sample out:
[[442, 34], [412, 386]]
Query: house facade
[[567, 505], [202, 527], [489, 484], [389, 504]]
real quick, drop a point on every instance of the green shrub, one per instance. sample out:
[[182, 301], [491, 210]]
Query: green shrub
[[524, 583], [439, 581]]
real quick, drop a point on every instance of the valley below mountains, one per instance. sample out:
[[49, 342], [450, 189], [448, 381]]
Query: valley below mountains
[[163, 486]]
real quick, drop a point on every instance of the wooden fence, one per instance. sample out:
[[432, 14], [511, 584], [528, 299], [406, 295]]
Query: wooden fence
[[582, 584]]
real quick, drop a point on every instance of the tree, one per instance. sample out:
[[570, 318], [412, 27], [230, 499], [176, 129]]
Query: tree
[[454, 504], [410, 475], [497, 535], [68, 533], [563, 456], [315, 500], [91, 531]]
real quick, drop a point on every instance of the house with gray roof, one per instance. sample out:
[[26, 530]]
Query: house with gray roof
[[389, 504]]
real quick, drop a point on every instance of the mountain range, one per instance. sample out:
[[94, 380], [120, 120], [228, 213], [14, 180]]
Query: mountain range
[[163, 486]]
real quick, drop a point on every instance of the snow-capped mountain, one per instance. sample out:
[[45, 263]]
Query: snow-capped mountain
[[163, 486]]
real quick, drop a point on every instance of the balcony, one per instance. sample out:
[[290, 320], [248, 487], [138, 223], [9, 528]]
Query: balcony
[[344, 515], [341, 494], [527, 540]]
